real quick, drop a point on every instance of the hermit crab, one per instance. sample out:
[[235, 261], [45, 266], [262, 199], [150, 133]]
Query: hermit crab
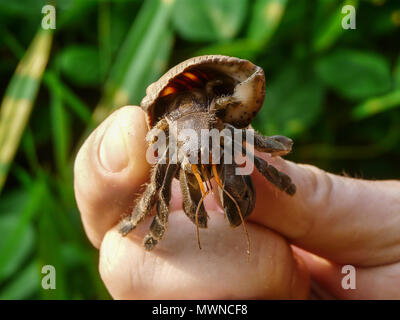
[[205, 93]]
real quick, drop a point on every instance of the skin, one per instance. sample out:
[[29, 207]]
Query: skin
[[298, 244]]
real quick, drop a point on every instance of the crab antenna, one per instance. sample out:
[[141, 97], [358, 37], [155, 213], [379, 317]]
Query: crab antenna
[[218, 180], [203, 195]]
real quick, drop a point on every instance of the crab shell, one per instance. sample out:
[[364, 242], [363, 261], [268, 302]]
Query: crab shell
[[241, 79]]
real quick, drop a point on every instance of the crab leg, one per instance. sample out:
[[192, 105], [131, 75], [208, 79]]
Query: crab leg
[[146, 201], [241, 188], [191, 194], [275, 145], [227, 209], [159, 223], [276, 177]]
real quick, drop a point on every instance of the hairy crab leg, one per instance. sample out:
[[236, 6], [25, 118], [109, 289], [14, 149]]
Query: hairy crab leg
[[218, 180], [146, 201], [278, 178], [159, 223], [275, 145], [191, 195]]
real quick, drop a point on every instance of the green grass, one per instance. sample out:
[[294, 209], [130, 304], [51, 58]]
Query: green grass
[[334, 91]]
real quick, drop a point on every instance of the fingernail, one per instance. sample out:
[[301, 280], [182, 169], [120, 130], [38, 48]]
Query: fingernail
[[113, 149]]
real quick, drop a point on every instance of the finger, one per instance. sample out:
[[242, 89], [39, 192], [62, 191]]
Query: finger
[[177, 269], [348, 282], [109, 170], [346, 220]]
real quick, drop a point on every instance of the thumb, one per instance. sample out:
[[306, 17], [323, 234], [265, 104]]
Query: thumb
[[109, 170]]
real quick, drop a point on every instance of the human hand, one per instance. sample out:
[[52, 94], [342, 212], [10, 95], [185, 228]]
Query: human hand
[[344, 220]]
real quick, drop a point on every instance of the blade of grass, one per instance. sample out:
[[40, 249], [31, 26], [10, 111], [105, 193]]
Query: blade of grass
[[22, 175], [49, 245], [157, 67], [29, 148], [72, 12], [23, 286], [75, 255], [12, 43], [376, 105], [20, 96], [135, 36], [265, 18], [136, 56], [104, 38], [65, 212], [36, 198], [54, 83], [61, 132], [332, 29], [9, 219]]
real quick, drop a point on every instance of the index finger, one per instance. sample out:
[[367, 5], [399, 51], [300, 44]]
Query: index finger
[[343, 219]]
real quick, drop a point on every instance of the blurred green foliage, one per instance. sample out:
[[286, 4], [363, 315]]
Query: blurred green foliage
[[336, 92]]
